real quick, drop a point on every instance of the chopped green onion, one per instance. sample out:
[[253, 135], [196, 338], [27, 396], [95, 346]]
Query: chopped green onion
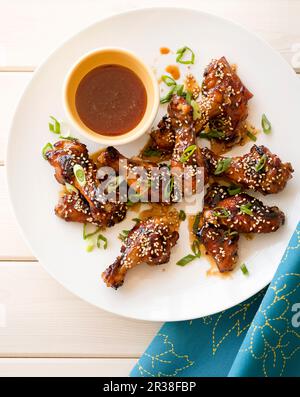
[[212, 134], [70, 188], [221, 212], [229, 233], [137, 220], [223, 166], [196, 249], [90, 245], [123, 235], [54, 127], [168, 80], [79, 174], [185, 260], [101, 238], [244, 269], [130, 203], [196, 223], [251, 136], [187, 153], [151, 152], [188, 97], [246, 209], [169, 188], [266, 125], [183, 53], [168, 95], [196, 110], [233, 190], [87, 235], [179, 89], [182, 215], [261, 163], [46, 149]]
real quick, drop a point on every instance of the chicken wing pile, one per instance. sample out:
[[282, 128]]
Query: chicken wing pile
[[219, 110]]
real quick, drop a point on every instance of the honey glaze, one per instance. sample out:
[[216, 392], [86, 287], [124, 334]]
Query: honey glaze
[[174, 71], [161, 210], [164, 50]]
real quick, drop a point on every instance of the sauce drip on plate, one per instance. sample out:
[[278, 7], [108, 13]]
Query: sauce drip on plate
[[111, 100]]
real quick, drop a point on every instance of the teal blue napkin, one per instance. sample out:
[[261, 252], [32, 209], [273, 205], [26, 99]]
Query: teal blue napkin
[[259, 337]]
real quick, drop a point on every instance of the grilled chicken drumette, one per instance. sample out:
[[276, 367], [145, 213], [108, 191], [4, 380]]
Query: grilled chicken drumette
[[72, 207], [225, 216], [64, 156], [245, 214], [186, 159], [258, 170], [223, 102], [150, 241], [219, 241], [223, 107]]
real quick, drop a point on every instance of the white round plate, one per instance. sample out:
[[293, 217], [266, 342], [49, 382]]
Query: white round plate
[[177, 293]]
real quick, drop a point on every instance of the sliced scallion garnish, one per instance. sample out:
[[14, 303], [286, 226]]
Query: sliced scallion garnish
[[251, 136], [233, 190], [151, 152], [136, 220], [196, 249], [168, 80], [70, 188], [182, 56], [196, 110], [87, 235], [261, 163], [90, 245], [223, 165], [246, 209], [100, 238], [169, 188], [79, 174], [123, 235], [221, 212], [188, 97], [168, 96], [212, 134], [179, 89], [196, 223], [244, 269], [266, 125], [185, 260], [46, 149], [188, 152], [182, 215], [55, 126]]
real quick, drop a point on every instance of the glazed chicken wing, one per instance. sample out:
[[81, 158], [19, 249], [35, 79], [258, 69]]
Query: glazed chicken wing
[[244, 214], [186, 156], [219, 241], [64, 156], [223, 102], [258, 170], [150, 241]]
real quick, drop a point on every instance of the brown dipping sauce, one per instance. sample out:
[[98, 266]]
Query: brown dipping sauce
[[111, 100]]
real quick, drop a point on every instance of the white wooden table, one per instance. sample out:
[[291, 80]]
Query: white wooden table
[[44, 329]]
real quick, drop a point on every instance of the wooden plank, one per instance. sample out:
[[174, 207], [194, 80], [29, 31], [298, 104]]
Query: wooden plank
[[39, 367], [40, 318], [11, 88], [30, 30], [12, 244]]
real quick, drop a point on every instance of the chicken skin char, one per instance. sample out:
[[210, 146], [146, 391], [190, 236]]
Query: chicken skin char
[[63, 157]]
